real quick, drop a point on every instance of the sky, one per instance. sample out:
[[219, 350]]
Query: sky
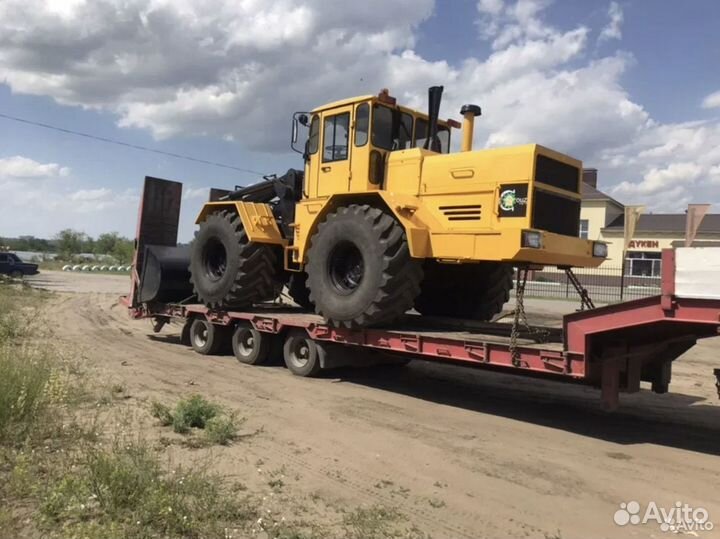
[[631, 88]]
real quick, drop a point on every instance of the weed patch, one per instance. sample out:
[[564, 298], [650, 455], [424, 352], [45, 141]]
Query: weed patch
[[127, 489], [196, 412]]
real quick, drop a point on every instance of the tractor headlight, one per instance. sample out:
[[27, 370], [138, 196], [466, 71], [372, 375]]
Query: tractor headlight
[[600, 249], [532, 239]]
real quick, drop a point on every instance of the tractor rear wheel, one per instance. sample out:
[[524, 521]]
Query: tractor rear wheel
[[476, 291], [360, 272], [226, 269]]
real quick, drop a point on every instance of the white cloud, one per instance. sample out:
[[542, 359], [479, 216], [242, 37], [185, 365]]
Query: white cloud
[[196, 193], [22, 167], [492, 7], [237, 69], [712, 100], [614, 28]]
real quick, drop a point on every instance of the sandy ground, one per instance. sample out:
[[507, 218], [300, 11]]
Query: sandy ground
[[462, 453]]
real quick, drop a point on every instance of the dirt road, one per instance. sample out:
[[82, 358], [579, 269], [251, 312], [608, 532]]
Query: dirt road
[[462, 453]]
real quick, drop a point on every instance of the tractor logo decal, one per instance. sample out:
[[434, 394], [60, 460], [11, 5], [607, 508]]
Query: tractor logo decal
[[513, 200], [507, 200]]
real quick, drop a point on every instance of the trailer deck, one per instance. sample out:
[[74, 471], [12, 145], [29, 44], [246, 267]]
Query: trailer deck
[[615, 347]]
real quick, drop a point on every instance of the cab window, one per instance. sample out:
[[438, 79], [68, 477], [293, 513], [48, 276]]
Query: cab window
[[421, 134], [362, 123], [314, 136], [335, 133], [392, 129]]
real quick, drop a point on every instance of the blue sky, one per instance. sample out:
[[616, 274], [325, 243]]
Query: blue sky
[[620, 85]]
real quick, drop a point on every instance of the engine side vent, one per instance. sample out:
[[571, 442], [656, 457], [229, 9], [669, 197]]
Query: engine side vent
[[468, 212]]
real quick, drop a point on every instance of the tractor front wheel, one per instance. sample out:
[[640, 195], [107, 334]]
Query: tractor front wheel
[[359, 268], [229, 271]]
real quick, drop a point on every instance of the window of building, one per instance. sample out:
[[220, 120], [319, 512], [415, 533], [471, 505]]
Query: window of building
[[362, 122], [583, 229], [643, 263], [335, 135]]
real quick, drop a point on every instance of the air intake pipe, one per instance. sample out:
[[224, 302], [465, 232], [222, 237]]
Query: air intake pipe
[[468, 113], [434, 97]]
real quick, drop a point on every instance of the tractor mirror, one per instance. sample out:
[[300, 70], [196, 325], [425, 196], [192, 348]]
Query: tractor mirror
[[298, 119]]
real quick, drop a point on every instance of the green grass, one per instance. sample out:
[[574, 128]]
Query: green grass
[[31, 376], [196, 412], [127, 490], [61, 479]]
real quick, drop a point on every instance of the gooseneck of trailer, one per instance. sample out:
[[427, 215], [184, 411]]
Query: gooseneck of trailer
[[615, 347]]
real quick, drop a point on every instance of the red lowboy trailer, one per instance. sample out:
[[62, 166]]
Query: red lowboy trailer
[[614, 347]]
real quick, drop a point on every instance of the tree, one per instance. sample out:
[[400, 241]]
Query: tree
[[105, 243], [70, 242], [123, 250]]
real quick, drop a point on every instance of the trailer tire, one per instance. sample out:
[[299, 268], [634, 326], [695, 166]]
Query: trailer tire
[[185, 333], [206, 338], [475, 291], [360, 272], [250, 346], [228, 270], [303, 356]]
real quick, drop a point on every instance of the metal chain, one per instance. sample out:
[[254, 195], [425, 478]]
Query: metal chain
[[520, 318]]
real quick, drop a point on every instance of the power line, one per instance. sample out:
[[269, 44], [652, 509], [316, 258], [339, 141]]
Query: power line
[[127, 144]]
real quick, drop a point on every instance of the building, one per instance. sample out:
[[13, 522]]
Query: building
[[602, 218]]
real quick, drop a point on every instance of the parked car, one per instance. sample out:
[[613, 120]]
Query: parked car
[[10, 264]]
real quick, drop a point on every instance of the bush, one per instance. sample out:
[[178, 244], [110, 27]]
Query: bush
[[221, 430], [198, 413], [162, 413], [193, 413]]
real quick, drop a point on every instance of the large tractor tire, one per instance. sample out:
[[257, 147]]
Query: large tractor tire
[[475, 291], [227, 270], [359, 268]]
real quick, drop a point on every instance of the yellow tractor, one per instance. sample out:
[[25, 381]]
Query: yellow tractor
[[384, 219]]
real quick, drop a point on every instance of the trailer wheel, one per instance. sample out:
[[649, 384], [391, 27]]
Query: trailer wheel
[[206, 338], [249, 345], [303, 356]]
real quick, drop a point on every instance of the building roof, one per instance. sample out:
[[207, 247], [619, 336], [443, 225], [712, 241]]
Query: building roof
[[591, 193], [655, 223]]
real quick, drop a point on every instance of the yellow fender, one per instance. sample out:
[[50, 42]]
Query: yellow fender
[[406, 208], [257, 219]]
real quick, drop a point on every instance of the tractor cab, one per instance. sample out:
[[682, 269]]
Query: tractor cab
[[349, 142]]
